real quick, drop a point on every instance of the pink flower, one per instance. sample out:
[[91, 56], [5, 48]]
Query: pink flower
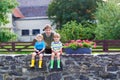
[[72, 41], [87, 41], [66, 44], [94, 45], [80, 44], [79, 41]]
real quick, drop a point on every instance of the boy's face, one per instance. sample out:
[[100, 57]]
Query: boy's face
[[39, 39], [48, 31], [56, 39]]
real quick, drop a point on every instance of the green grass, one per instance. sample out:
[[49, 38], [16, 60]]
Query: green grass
[[96, 53]]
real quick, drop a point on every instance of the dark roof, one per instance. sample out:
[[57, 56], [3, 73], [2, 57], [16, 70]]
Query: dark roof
[[33, 8], [35, 11], [28, 3]]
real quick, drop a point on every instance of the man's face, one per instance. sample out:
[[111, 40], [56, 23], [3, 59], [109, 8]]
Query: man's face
[[48, 31]]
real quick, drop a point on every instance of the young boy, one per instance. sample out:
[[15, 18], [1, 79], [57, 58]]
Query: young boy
[[56, 47], [39, 48]]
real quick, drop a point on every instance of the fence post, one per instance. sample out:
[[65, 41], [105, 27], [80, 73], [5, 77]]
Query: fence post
[[105, 46], [13, 46]]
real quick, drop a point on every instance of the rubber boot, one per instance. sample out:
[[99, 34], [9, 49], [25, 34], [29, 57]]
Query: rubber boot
[[40, 63], [51, 64], [32, 63], [58, 63]]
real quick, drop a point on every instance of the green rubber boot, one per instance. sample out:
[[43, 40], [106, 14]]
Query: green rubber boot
[[51, 64], [58, 63]]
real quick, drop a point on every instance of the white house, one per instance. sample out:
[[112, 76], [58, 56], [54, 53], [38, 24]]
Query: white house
[[34, 20], [27, 28]]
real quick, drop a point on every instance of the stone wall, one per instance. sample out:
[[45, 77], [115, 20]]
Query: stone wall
[[75, 67]]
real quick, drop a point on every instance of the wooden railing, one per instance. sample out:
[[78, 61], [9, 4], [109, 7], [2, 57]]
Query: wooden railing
[[16, 46], [102, 46], [107, 46]]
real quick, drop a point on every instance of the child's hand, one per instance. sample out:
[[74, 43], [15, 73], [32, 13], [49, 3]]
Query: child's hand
[[37, 50]]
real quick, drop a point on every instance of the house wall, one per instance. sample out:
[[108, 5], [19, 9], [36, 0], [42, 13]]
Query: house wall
[[30, 24]]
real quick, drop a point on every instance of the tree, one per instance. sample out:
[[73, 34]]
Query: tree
[[108, 16], [6, 7], [62, 11]]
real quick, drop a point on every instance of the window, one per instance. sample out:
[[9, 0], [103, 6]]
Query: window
[[35, 31], [25, 32]]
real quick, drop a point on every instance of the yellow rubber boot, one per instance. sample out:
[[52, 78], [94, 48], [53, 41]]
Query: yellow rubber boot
[[32, 63], [40, 63]]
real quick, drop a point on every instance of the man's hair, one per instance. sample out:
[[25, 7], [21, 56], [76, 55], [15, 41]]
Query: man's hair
[[47, 27]]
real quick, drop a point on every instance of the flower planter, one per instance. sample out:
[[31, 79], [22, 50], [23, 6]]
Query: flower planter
[[78, 51]]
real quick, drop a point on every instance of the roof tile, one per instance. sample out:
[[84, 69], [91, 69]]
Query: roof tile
[[34, 11]]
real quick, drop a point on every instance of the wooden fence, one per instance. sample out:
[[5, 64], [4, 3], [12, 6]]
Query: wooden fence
[[102, 46], [16, 46], [107, 46]]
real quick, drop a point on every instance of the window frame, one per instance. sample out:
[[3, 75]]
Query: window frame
[[35, 31], [25, 32]]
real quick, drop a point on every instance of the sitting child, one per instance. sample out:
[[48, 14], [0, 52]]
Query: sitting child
[[39, 49], [56, 47]]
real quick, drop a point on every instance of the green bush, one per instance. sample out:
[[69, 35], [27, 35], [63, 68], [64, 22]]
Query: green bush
[[108, 16], [6, 35], [74, 31]]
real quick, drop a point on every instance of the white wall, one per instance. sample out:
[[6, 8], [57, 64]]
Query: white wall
[[30, 23]]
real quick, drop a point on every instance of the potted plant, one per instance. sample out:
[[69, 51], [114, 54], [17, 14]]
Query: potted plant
[[79, 47]]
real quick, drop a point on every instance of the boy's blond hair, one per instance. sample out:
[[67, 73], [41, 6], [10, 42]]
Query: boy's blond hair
[[57, 35], [39, 35]]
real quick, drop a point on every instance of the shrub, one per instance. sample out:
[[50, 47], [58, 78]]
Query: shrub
[[6, 35], [74, 31]]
